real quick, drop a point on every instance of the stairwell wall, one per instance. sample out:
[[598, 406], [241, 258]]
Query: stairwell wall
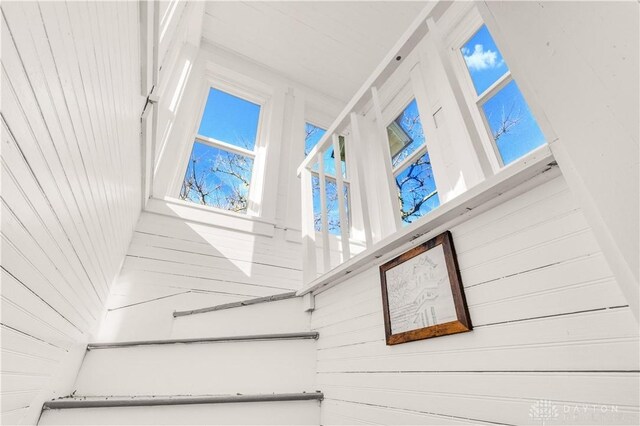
[[550, 324], [70, 185], [185, 256]]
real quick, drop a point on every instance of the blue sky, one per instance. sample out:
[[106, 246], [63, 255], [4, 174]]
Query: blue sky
[[412, 128], [230, 119], [483, 60], [486, 65], [525, 135], [315, 134], [333, 215], [235, 121], [207, 157], [423, 183], [333, 212]]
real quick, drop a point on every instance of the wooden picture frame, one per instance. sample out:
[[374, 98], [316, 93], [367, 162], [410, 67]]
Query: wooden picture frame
[[422, 293]]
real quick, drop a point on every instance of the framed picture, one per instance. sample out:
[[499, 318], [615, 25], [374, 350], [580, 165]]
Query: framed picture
[[422, 293]]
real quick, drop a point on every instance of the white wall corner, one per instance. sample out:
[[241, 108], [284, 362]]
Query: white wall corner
[[60, 384]]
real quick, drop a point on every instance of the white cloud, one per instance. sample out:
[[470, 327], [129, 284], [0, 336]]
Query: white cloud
[[481, 59]]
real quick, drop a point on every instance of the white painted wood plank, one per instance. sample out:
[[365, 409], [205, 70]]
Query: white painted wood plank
[[148, 273], [28, 348], [569, 342], [17, 235], [345, 225], [20, 124], [235, 252], [15, 202], [19, 266], [152, 317], [284, 316], [76, 100], [326, 260], [193, 270], [309, 246], [12, 400], [45, 91], [70, 141], [219, 262], [13, 417], [591, 387], [236, 367], [35, 305], [501, 410], [337, 412]]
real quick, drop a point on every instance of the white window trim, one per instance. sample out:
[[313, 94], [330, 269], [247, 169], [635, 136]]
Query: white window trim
[[393, 108], [254, 93], [457, 35], [407, 97]]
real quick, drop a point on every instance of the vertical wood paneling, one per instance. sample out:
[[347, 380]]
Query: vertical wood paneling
[[550, 323], [70, 180]]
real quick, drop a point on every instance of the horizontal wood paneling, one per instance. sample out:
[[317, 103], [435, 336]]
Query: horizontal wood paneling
[[70, 181], [175, 264], [549, 322]]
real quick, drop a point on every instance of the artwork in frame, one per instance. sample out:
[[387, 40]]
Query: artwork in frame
[[422, 293]]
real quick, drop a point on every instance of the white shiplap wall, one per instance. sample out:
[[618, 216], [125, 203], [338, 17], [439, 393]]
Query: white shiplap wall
[[549, 323], [178, 264], [70, 182]]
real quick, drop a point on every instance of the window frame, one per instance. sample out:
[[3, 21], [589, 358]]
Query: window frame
[[256, 95], [345, 178], [390, 112], [458, 34]]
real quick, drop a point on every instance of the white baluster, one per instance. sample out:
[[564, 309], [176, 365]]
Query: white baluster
[[326, 255], [342, 210], [358, 143], [309, 270]]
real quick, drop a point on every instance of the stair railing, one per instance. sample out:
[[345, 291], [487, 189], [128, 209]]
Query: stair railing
[[314, 167], [319, 215]]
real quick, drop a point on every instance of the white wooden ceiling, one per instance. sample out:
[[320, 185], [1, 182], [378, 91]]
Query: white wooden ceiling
[[329, 46]]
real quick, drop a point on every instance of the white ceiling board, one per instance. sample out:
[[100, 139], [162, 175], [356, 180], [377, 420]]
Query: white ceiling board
[[331, 47]]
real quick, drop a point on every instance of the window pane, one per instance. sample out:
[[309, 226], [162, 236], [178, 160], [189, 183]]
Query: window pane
[[313, 134], [230, 119], [483, 59], [417, 190], [217, 178], [513, 128], [405, 134], [333, 211]]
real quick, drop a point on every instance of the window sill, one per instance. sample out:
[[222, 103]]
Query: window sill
[[515, 179], [179, 209]]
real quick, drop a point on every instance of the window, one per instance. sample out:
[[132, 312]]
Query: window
[[221, 162], [313, 134], [511, 126], [411, 165]]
